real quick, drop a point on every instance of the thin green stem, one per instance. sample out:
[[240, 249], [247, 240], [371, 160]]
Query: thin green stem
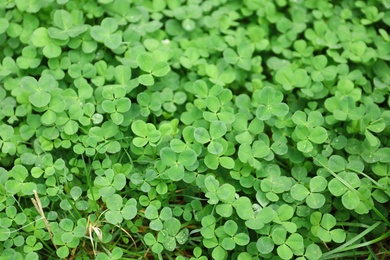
[[345, 255], [74, 208], [352, 224], [372, 254], [88, 176], [368, 177], [349, 244], [373, 241]]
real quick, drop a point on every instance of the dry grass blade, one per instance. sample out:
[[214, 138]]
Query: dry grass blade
[[38, 205]]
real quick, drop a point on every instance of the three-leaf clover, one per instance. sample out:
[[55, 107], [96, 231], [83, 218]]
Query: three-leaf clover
[[269, 103], [153, 68], [291, 79], [146, 134], [171, 235], [349, 198], [177, 163], [313, 197], [65, 27], [323, 227], [51, 47], [241, 58], [110, 182], [308, 130], [118, 210], [107, 33], [232, 237], [39, 91]]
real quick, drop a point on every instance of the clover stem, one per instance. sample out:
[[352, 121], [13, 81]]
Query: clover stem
[[88, 173]]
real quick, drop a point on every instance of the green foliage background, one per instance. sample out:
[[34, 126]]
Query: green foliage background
[[254, 129]]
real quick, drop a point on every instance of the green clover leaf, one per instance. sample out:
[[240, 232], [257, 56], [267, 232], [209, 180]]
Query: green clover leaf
[[270, 103], [291, 79], [39, 90], [51, 47], [107, 33], [154, 68]]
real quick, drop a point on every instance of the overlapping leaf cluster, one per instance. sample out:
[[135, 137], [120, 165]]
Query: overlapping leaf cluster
[[255, 129]]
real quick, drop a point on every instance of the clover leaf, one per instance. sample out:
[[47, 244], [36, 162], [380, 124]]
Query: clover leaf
[[270, 103], [116, 108], [221, 74], [171, 235], [322, 72], [154, 68], [110, 183], [217, 130], [151, 241], [39, 91], [65, 27], [177, 163], [324, 228], [314, 198], [194, 129], [291, 79], [344, 109], [146, 133], [107, 33], [3, 25], [51, 46], [117, 211], [349, 198], [245, 131], [242, 57], [144, 181], [233, 238], [309, 131], [149, 103], [252, 153], [6, 134], [156, 218]]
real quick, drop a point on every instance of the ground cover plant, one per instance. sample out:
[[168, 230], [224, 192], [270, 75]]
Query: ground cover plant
[[240, 129]]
